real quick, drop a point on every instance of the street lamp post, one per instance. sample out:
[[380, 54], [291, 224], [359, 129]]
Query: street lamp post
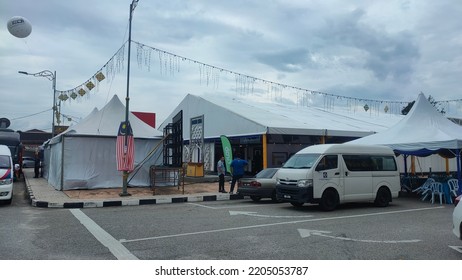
[[52, 77], [127, 98]]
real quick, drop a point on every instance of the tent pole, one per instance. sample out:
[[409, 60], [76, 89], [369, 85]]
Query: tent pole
[[412, 165], [405, 165], [446, 160]]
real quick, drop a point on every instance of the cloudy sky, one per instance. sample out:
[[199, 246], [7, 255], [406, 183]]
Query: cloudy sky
[[277, 50]]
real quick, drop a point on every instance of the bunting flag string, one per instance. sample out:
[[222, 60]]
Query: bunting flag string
[[210, 75], [114, 66]]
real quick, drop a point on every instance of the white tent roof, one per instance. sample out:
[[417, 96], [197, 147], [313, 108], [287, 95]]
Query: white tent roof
[[106, 121], [235, 117], [423, 131]]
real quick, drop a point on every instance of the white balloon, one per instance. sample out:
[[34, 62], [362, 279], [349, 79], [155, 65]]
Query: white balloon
[[19, 27]]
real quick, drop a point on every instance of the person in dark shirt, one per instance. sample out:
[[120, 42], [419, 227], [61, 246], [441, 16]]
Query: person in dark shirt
[[37, 165], [237, 170]]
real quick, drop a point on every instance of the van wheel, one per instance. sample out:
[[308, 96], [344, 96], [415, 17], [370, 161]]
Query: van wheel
[[383, 197], [297, 204], [255, 198], [329, 200]]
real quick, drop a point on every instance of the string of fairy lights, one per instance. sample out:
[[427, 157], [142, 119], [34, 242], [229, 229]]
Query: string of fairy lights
[[210, 75]]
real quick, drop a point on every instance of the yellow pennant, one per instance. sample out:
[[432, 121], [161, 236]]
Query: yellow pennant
[[90, 85], [100, 76]]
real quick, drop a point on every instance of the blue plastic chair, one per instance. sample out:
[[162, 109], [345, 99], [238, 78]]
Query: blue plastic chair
[[426, 189], [437, 189], [453, 186]]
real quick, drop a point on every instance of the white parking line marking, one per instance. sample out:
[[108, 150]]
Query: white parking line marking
[[457, 248], [278, 224], [309, 232], [255, 214], [227, 207], [116, 248]]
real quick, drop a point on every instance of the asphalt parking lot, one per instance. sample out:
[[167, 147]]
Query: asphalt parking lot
[[242, 229], [408, 229]]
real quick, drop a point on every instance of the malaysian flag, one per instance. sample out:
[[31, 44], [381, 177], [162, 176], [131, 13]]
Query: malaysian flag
[[125, 148]]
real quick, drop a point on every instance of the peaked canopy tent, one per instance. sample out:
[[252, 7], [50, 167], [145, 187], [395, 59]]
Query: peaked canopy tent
[[84, 156], [424, 131]]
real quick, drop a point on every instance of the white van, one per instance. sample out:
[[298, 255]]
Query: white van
[[6, 174], [330, 174]]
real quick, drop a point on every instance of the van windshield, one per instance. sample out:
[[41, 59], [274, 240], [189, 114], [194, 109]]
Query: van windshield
[[4, 162], [299, 161]]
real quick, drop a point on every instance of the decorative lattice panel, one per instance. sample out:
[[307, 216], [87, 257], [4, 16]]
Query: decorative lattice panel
[[196, 142]]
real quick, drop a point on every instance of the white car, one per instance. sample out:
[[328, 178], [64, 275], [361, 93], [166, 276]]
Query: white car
[[457, 218], [28, 162]]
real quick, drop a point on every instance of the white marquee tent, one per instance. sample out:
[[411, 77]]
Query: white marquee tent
[[251, 119], [84, 156], [237, 117]]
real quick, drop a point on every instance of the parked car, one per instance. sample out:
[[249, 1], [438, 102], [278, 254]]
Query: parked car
[[28, 162], [457, 218], [263, 185]]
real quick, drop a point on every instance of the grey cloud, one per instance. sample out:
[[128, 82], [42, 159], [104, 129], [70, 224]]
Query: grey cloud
[[387, 55], [293, 60]]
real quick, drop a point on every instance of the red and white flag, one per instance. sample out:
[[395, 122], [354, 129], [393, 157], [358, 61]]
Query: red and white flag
[[125, 148]]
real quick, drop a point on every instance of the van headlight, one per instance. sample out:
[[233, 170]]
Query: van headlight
[[6, 181], [305, 183]]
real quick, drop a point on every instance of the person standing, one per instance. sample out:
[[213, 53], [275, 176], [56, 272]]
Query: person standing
[[17, 173], [37, 165], [221, 174], [237, 170]]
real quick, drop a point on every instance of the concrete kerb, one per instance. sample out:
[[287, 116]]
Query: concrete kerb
[[43, 195]]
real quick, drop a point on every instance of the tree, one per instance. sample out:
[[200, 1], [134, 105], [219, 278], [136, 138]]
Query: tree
[[406, 109], [432, 101]]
